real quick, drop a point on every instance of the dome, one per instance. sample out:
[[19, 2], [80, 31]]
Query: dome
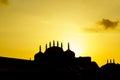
[[38, 55], [69, 52], [54, 51]]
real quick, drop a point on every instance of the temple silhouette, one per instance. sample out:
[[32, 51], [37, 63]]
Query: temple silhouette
[[57, 62]]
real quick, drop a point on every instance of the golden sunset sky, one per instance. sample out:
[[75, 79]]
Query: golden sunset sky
[[90, 26]]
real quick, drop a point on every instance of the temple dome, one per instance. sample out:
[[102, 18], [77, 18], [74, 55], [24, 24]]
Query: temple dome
[[54, 51], [69, 52], [38, 55]]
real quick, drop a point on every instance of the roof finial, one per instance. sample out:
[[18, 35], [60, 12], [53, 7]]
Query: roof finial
[[40, 48], [46, 46], [110, 61], [68, 46], [107, 61], [49, 44], [53, 43], [113, 61], [57, 44], [61, 45]]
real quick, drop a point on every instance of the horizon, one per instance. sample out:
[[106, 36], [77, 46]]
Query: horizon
[[91, 27], [60, 44]]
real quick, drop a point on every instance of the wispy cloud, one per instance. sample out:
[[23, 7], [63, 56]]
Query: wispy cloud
[[4, 2], [92, 30]]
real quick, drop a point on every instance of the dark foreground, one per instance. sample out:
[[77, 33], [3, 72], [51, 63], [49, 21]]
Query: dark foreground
[[56, 64]]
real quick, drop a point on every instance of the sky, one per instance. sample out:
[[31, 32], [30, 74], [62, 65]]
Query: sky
[[90, 26]]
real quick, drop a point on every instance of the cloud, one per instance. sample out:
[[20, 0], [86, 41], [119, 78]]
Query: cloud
[[103, 25], [92, 30], [4, 2], [106, 23]]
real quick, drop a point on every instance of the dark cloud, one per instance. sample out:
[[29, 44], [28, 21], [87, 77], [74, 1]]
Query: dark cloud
[[5, 2], [103, 25], [108, 23]]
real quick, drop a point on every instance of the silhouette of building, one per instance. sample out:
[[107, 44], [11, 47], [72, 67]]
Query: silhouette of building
[[62, 64], [55, 59], [110, 71], [39, 56]]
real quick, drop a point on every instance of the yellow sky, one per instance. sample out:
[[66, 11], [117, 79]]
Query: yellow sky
[[26, 24]]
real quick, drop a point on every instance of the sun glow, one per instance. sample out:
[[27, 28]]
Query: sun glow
[[76, 42], [76, 45], [77, 49]]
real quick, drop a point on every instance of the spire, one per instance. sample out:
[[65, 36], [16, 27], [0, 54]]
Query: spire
[[49, 44], [46, 46], [113, 61], [107, 61], [110, 61], [57, 44], [61, 45], [68, 46], [40, 48], [53, 43]]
